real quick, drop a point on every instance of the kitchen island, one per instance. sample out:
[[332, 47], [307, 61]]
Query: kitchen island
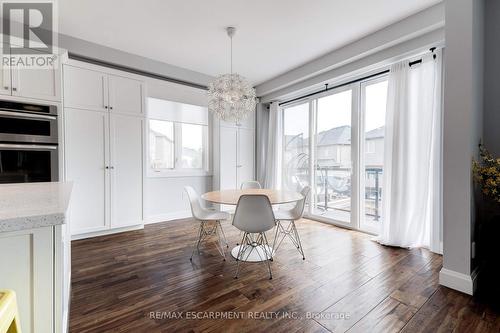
[[35, 252]]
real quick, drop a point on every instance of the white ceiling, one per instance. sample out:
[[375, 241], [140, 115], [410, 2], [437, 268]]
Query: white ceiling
[[273, 36]]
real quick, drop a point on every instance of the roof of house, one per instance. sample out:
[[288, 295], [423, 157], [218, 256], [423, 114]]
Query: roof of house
[[376, 133], [336, 136]]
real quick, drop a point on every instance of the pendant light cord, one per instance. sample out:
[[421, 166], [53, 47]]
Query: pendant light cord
[[231, 37]]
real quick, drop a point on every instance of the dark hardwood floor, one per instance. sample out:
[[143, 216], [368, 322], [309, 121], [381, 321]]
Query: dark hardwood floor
[[347, 283]]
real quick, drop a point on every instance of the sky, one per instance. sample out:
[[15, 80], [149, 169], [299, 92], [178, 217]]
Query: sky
[[335, 110]]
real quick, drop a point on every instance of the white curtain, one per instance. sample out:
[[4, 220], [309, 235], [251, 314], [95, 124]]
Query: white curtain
[[412, 166], [273, 172], [262, 129]]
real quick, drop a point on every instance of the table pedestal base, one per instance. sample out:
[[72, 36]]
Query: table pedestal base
[[253, 253]]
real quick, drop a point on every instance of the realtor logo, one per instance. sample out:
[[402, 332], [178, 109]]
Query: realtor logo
[[28, 26]]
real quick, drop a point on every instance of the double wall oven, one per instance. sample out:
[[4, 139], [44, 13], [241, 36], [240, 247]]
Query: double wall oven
[[28, 143]]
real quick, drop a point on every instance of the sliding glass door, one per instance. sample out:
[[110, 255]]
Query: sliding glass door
[[373, 102], [296, 153], [334, 142], [332, 167]]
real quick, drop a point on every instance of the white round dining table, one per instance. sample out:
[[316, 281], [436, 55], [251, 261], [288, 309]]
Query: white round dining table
[[230, 197]]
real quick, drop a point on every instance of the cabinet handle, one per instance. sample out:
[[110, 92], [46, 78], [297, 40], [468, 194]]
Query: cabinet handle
[[107, 167], [14, 89], [111, 108], [6, 88], [112, 167], [105, 106]]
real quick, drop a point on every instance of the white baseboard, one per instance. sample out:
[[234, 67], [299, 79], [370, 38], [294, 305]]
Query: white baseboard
[[106, 232], [167, 217], [462, 282]]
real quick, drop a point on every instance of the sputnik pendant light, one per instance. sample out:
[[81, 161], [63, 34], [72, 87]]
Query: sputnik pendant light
[[230, 96]]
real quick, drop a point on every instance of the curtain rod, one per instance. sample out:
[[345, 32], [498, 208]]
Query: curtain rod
[[419, 61], [135, 71]]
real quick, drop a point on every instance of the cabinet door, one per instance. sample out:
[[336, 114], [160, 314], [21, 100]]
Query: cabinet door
[[228, 158], [125, 95], [5, 73], [87, 152], [27, 259], [126, 170], [39, 83], [246, 155], [85, 89]]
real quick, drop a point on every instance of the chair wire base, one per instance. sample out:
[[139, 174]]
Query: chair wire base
[[205, 230], [289, 231], [249, 243]]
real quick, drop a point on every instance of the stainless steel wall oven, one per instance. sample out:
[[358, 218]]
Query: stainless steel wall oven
[[28, 143]]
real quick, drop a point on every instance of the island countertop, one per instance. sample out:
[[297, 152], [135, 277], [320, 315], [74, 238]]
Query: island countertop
[[33, 205]]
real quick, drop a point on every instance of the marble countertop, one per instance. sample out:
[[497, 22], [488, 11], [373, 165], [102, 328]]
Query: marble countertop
[[33, 205]]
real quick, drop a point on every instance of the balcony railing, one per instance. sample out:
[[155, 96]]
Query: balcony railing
[[333, 189]]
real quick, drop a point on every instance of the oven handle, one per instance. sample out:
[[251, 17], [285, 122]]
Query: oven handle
[[32, 147], [26, 115]]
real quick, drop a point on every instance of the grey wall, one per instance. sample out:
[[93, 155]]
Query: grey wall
[[462, 127], [492, 76], [103, 53], [417, 32]]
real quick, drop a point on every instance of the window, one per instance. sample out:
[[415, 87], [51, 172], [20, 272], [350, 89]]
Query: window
[[332, 152], [178, 138], [334, 143], [192, 146], [296, 147], [374, 96], [161, 144]]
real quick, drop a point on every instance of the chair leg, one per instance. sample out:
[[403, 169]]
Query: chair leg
[[197, 244], [220, 241], [291, 232], [275, 237], [223, 234], [297, 237], [247, 241], [268, 254], [240, 254], [280, 232], [205, 231]]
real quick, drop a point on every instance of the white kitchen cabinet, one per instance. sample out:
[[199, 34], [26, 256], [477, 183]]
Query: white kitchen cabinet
[[125, 95], [87, 155], [38, 83], [104, 150], [234, 153], [5, 73], [104, 160], [126, 170], [27, 258], [35, 253], [28, 81], [94, 90], [85, 89]]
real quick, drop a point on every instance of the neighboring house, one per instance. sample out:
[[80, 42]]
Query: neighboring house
[[161, 157], [334, 147], [162, 153]]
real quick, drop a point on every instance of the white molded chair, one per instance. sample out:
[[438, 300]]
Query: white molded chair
[[254, 216], [250, 184], [207, 217], [290, 230]]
